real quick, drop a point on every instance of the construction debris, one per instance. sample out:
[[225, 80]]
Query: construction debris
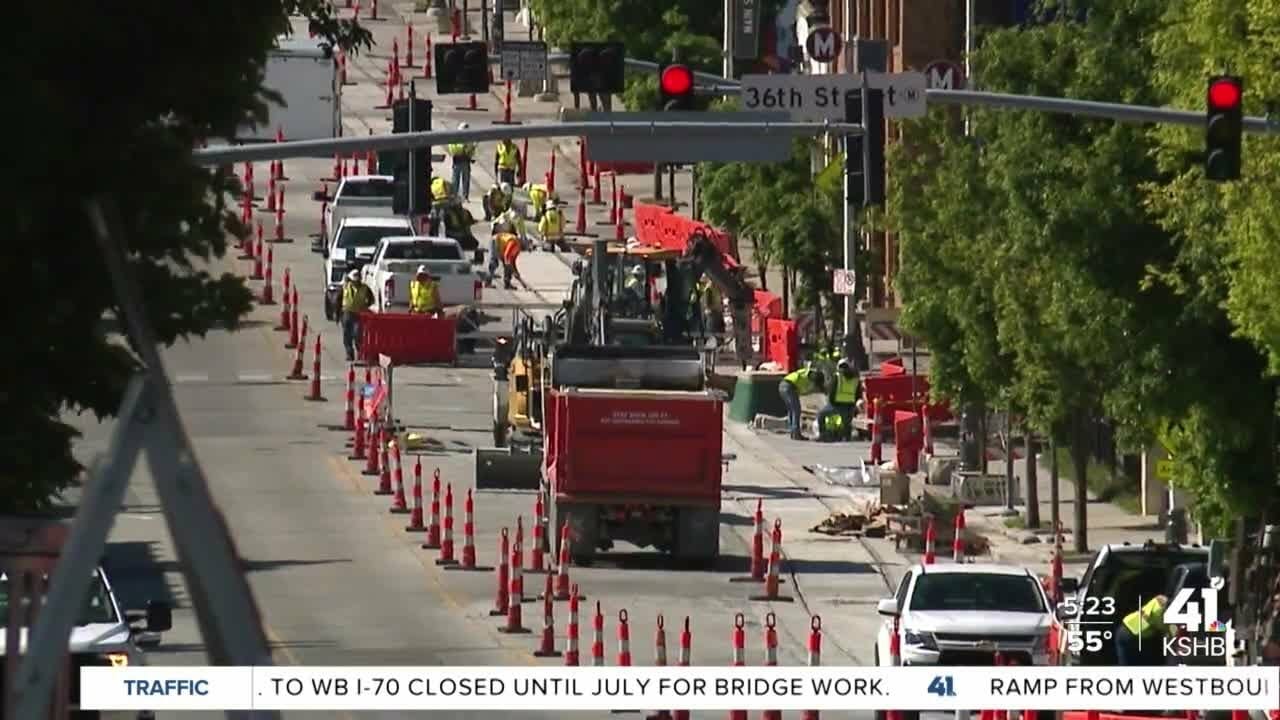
[[907, 525]]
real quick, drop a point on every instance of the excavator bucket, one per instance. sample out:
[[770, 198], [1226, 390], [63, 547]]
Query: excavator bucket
[[507, 469]]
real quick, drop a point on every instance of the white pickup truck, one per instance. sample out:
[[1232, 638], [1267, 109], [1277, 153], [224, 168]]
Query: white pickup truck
[[103, 636], [353, 245], [397, 259], [356, 196]]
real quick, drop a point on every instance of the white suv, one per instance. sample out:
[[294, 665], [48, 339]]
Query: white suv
[[963, 614]]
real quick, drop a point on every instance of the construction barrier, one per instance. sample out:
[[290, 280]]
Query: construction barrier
[[408, 339], [782, 343]]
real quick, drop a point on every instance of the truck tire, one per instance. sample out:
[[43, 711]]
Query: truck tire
[[499, 420], [698, 536], [583, 531]]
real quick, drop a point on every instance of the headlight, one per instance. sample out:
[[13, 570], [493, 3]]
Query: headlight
[[921, 639], [118, 659]]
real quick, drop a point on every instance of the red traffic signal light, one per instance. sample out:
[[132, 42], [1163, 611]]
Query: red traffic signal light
[[676, 80], [1224, 94]]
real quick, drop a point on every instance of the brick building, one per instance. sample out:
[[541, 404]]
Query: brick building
[[918, 32]]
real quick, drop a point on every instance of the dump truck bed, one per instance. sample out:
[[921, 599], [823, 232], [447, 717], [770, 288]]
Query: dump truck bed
[[640, 446]]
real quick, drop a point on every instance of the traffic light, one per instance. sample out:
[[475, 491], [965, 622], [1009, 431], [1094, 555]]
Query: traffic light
[[396, 163], [864, 155], [1224, 124], [462, 68], [597, 67], [675, 86]]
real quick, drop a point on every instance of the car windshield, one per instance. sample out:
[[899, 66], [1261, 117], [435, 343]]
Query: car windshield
[[97, 606], [366, 236], [368, 189], [977, 591], [1125, 577], [423, 251]]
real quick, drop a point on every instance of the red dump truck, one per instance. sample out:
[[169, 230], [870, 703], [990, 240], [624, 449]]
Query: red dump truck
[[626, 443]]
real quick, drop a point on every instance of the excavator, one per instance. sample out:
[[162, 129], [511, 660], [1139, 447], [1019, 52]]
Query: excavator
[[608, 339]]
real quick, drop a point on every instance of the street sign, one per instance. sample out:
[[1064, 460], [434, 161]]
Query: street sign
[[695, 146], [1164, 470], [746, 29], [823, 44], [944, 75], [814, 98], [843, 282], [524, 60]]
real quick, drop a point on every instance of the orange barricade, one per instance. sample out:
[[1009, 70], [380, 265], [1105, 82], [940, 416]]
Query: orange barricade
[[657, 226], [782, 343], [408, 339]]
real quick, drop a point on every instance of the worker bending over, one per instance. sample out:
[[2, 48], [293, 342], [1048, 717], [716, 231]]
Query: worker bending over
[[794, 386], [424, 293], [538, 195], [1138, 639], [835, 420], [496, 201], [463, 155], [551, 228], [510, 247], [356, 298], [441, 189], [506, 161]]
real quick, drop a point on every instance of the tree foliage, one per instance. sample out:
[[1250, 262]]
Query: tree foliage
[[123, 133], [1069, 267]]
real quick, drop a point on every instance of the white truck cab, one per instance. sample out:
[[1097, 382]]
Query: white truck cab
[[353, 245], [356, 196], [396, 262]]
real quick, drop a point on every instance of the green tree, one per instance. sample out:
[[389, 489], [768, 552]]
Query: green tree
[[125, 136]]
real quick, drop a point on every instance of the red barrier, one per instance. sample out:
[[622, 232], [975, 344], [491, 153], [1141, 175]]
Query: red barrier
[[782, 343], [408, 338], [908, 440]]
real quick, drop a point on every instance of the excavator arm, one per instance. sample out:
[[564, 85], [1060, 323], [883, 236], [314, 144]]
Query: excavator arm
[[706, 259]]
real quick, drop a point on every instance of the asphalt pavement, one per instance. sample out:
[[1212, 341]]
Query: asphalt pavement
[[336, 576]]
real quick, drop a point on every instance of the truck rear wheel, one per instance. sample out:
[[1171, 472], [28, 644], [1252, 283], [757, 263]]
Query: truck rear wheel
[[584, 531], [698, 536]]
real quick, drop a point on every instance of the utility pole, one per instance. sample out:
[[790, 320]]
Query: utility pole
[[1029, 477], [968, 53], [1055, 502], [728, 40], [413, 170]]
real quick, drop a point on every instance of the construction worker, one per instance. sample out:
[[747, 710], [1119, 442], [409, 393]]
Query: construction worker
[[1138, 637], [551, 228], [463, 155], [835, 420], [441, 189], [506, 161], [356, 298], [706, 306], [424, 293], [537, 198], [510, 248], [794, 386], [496, 201]]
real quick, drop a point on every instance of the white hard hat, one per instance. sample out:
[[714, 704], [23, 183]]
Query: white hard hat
[[422, 269], [463, 126], [353, 275], [506, 187], [637, 270]]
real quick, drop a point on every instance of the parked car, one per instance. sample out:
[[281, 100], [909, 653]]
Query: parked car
[[353, 246], [356, 196]]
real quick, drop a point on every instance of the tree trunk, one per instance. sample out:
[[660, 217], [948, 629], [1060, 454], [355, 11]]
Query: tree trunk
[[1080, 459], [1010, 477], [1029, 478], [1055, 504]]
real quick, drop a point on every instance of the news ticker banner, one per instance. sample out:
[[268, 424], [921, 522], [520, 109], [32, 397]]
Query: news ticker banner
[[678, 688]]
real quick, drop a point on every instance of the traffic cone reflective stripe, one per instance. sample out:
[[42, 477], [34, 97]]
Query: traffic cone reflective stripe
[[771, 581], [562, 566], [503, 573], [815, 656], [957, 545], [296, 373], [314, 393], [660, 644], [535, 553], [597, 637], [930, 540], [399, 504], [433, 530], [357, 443], [686, 657], [547, 648], [624, 640], [284, 307], [446, 545], [739, 655], [468, 533], [349, 409], [571, 647], [415, 515], [515, 623], [771, 656]]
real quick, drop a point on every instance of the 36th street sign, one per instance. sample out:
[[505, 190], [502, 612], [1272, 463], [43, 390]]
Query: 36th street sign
[[814, 98]]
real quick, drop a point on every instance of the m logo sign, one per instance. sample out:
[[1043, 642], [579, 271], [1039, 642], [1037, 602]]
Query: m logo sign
[[944, 75], [823, 44]]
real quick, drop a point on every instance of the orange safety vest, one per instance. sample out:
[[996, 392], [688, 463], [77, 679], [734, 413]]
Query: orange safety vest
[[511, 251]]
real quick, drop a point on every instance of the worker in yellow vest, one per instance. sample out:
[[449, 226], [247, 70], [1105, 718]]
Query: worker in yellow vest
[[506, 161], [496, 201], [537, 198], [1138, 640], [551, 228], [706, 307], [356, 298], [463, 154], [424, 293], [794, 386], [835, 421]]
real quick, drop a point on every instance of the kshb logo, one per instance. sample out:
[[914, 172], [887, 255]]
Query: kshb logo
[[1203, 633]]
